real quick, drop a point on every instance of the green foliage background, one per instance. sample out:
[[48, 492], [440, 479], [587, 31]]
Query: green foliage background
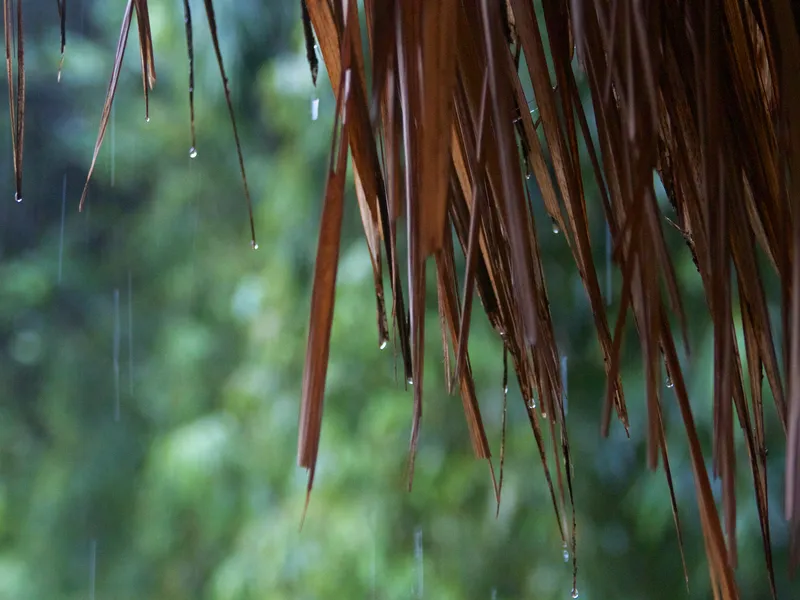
[[193, 493]]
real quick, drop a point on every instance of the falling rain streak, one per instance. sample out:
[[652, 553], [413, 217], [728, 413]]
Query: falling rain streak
[[63, 218], [609, 249], [113, 143], [92, 568], [130, 333], [116, 354], [418, 557], [564, 382]]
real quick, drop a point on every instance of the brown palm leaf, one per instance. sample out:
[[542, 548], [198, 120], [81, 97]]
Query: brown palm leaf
[[706, 94]]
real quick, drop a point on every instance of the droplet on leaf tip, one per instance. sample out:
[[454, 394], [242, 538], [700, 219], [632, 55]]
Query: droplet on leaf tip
[[384, 342], [574, 592], [314, 109], [555, 227], [410, 381], [669, 382], [254, 245], [566, 555], [17, 198], [192, 152]]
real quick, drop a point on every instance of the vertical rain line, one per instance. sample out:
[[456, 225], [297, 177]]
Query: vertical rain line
[[130, 333], [92, 568], [374, 554], [609, 249], [116, 354], [63, 218], [564, 382], [113, 143], [418, 557]]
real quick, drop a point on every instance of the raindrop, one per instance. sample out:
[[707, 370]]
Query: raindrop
[[116, 354], [113, 143], [418, 557], [544, 415], [564, 381], [410, 381], [17, 197], [130, 333], [566, 555], [314, 109], [574, 592], [555, 227], [384, 342], [532, 403], [63, 218], [92, 568], [608, 266], [669, 382], [147, 119], [254, 245], [192, 152], [527, 174]]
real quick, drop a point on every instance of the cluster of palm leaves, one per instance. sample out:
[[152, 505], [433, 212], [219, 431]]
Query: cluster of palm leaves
[[433, 113]]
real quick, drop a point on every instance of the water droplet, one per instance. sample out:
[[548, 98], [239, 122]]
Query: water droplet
[[383, 344], [92, 568], [527, 174], [574, 592], [564, 382], [254, 245], [410, 381], [17, 198], [566, 555], [669, 382], [505, 389], [418, 550], [130, 332], [192, 152], [113, 143], [609, 248], [314, 109], [532, 404], [147, 119], [544, 415], [116, 354], [555, 227]]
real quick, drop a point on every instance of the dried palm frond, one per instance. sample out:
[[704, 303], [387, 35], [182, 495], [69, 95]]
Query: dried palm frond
[[705, 94]]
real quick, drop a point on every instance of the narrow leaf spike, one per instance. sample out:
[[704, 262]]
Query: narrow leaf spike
[[212, 25], [13, 33]]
